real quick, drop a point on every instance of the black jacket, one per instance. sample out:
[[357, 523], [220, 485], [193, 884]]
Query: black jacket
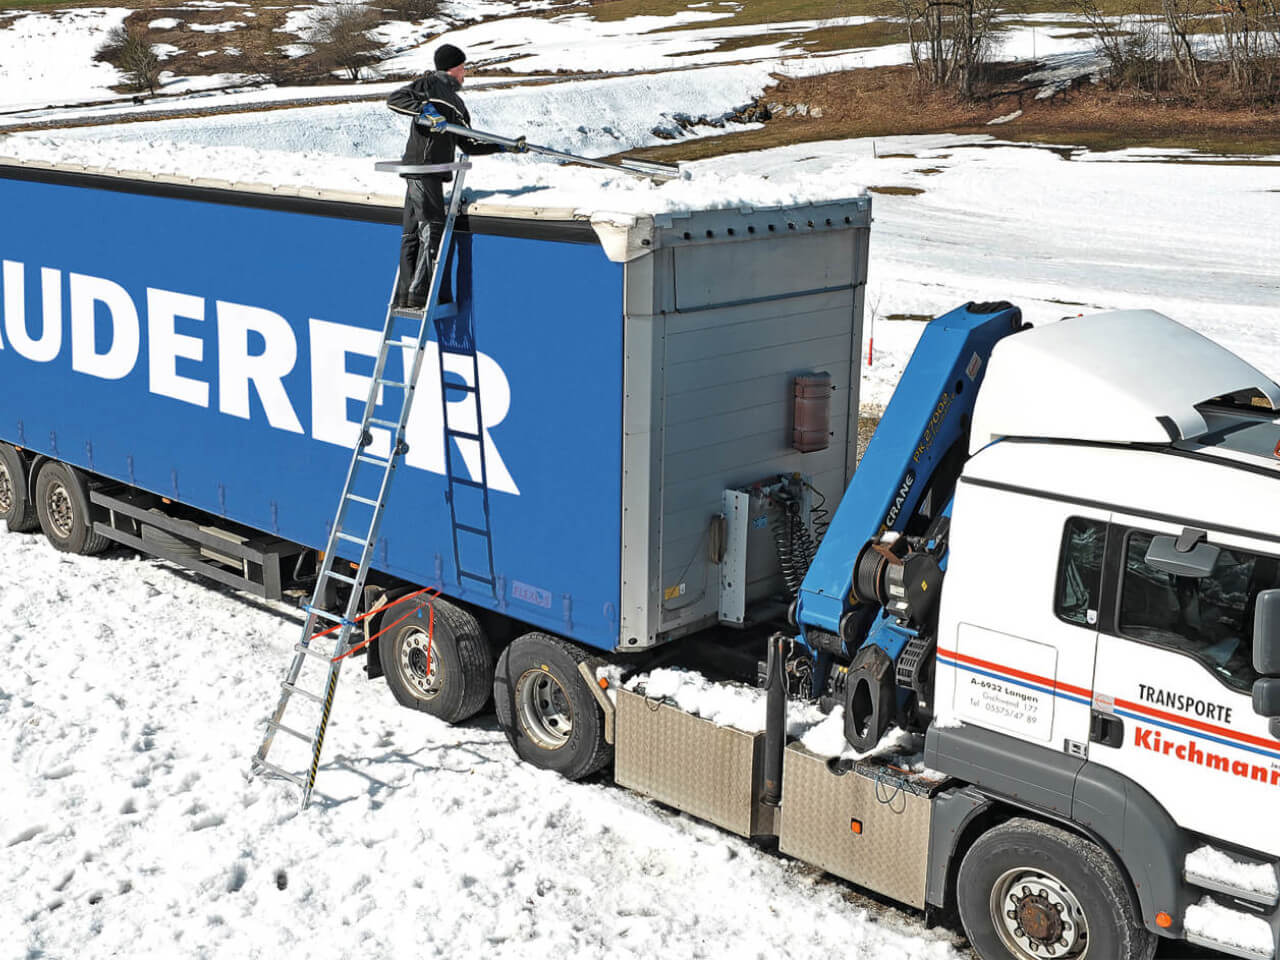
[[441, 91]]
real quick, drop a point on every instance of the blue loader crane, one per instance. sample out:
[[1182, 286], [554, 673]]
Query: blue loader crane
[[870, 595]]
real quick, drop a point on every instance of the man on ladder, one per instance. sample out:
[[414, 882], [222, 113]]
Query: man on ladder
[[427, 99]]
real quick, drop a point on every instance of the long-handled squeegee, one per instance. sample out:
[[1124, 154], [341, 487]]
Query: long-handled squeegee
[[437, 123]]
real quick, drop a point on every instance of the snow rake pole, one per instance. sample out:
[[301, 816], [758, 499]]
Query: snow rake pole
[[638, 168]]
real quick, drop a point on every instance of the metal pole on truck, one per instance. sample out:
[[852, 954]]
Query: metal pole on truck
[[638, 168]]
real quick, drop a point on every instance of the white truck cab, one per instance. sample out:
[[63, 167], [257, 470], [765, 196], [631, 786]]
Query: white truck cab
[[1111, 534]]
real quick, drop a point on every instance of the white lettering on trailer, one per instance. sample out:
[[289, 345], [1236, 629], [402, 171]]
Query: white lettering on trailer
[[267, 370], [15, 313], [165, 345], [332, 386], [122, 316]]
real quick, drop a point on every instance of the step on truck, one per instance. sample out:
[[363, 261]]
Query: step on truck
[[1055, 568]]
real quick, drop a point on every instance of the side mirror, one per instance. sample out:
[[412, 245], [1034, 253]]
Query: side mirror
[[1266, 697], [1266, 634], [1182, 557]]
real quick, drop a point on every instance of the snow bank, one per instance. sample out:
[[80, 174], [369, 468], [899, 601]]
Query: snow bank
[[128, 714], [1213, 864], [48, 57]]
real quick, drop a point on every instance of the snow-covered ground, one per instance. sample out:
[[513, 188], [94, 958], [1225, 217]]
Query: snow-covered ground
[[127, 718], [128, 710]]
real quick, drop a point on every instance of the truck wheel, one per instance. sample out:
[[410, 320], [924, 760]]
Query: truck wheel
[[62, 504], [545, 708], [16, 508], [1027, 890], [445, 670]]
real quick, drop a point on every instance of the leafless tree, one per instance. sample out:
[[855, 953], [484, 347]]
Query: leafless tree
[[950, 40], [340, 38], [128, 49]]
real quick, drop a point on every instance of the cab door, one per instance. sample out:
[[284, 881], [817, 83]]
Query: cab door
[[1172, 697], [1019, 618]]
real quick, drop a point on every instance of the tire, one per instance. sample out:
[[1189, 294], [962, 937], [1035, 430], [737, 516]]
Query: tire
[[62, 504], [452, 682], [16, 508], [546, 710], [1061, 889]]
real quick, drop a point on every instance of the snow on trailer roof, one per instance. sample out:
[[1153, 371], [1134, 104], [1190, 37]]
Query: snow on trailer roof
[[1127, 376], [629, 220]]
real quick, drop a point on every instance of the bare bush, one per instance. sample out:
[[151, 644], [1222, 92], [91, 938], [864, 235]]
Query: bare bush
[[414, 10], [950, 40], [262, 57], [127, 48], [340, 38]]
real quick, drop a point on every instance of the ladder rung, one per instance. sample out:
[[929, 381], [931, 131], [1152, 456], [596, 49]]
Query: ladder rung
[[364, 500], [277, 725], [293, 688], [478, 531], [392, 383], [375, 460], [476, 576], [265, 767], [384, 423], [466, 482], [464, 434], [339, 576], [327, 615], [318, 654], [351, 539], [460, 386]]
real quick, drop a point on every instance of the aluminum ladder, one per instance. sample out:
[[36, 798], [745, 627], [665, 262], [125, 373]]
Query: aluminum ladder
[[359, 516], [456, 336]]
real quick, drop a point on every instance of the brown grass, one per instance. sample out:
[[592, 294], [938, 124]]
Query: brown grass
[[887, 101]]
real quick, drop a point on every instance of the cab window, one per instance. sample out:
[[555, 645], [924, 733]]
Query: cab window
[[1080, 571], [1209, 618]]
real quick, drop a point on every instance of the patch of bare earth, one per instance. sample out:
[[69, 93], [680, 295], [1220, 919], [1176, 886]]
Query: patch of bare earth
[[889, 101]]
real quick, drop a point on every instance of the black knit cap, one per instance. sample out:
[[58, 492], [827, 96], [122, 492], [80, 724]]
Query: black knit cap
[[448, 56]]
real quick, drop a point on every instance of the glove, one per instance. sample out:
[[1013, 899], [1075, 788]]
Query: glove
[[429, 117], [518, 147]]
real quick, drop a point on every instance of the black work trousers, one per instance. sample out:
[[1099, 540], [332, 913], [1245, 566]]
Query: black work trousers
[[424, 215]]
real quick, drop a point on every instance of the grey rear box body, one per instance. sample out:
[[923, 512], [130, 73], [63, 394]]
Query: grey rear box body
[[723, 309]]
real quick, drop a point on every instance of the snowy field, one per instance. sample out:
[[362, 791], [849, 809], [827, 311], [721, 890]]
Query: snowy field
[[128, 716], [129, 708]]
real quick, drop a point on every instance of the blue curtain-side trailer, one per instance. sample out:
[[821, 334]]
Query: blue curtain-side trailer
[[212, 346]]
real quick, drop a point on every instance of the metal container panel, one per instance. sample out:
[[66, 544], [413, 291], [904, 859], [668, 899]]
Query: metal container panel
[[315, 276], [891, 854], [709, 771], [727, 314]]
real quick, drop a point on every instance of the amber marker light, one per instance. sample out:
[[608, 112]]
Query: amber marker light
[[1163, 920], [604, 683], [855, 826]]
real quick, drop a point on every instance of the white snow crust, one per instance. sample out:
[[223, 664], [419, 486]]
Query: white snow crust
[[1214, 864], [47, 58], [1223, 925], [128, 714]]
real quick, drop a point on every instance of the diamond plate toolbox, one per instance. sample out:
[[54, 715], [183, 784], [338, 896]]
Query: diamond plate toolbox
[[871, 829], [709, 771]]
